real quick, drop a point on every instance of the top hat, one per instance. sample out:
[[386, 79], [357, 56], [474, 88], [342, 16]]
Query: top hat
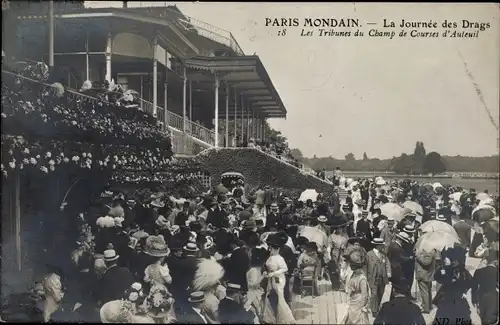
[[197, 296], [378, 241]]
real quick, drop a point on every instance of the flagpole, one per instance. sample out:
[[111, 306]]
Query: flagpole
[[51, 33]]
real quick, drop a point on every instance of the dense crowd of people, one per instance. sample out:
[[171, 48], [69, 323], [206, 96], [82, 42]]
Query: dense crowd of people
[[225, 257]]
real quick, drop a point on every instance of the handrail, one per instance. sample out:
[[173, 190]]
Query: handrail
[[204, 29], [176, 122]]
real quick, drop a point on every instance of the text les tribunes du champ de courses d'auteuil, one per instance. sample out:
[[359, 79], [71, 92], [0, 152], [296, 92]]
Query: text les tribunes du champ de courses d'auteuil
[[347, 27]]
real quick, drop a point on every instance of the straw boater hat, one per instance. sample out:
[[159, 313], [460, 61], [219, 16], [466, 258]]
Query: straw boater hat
[[107, 194], [110, 254], [390, 220], [378, 241], [140, 234], [190, 248], [158, 203], [234, 287], [156, 246], [197, 296], [441, 218], [409, 229], [404, 236], [357, 258], [274, 206], [322, 219]]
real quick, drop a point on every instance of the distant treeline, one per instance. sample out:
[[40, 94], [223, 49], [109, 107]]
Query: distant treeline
[[453, 164]]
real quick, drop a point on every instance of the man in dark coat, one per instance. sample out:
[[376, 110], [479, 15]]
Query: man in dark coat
[[116, 280], [425, 267], [249, 234], [399, 310], [273, 218], [216, 216], [238, 265], [378, 272], [182, 271], [231, 308], [485, 290], [194, 311], [363, 228], [223, 240], [399, 260]]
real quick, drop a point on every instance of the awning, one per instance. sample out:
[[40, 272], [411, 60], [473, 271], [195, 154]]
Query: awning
[[248, 76]]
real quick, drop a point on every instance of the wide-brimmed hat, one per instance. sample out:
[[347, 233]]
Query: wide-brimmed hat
[[404, 236], [274, 206], [409, 229], [156, 246], [197, 296], [160, 302], [238, 207], [274, 240], [190, 248], [162, 221], [311, 246], [357, 258], [322, 219], [378, 241], [110, 254], [107, 194], [140, 234], [355, 239], [301, 241], [158, 203], [249, 224], [441, 217], [116, 311], [390, 220]]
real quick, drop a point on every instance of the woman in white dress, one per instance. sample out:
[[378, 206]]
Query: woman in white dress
[[276, 309]]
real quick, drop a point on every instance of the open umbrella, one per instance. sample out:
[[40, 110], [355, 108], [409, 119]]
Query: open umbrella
[[414, 206], [436, 225], [313, 234], [456, 196], [482, 196], [437, 240], [484, 213], [392, 210], [380, 181], [308, 194], [436, 185]]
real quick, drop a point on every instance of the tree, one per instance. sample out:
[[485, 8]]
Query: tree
[[402, 165], [296, 153], [350, 157], [418, 157], [433, 163], [365, 156]]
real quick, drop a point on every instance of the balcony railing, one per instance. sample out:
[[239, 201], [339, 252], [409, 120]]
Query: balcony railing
[[176, 122], [204, 29]]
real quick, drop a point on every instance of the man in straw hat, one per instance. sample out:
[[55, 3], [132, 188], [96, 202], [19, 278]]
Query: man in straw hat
[[399, 260], [378, 272], [232, 307], [194, 313], [116, 280]]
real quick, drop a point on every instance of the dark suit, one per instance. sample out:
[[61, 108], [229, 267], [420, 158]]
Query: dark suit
[[425, 267], [399, 310], [377, 269], [182, 271], [291, 262], [237, 267], [223, 240], [190, 316], [249, 237], [484, 293], [114, 283], [363, 227], [272, 221], [231, 312], [398, 259]]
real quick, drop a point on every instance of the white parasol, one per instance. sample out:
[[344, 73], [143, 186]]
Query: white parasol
[[309, 194], [482, 197], [414, 206], [437, 240], [380, 181], [436, 225], [456, 196], [436, 185], [392, 210], [314, 234]]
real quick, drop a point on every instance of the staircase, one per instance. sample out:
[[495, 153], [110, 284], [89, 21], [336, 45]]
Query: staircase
[[259, 169]]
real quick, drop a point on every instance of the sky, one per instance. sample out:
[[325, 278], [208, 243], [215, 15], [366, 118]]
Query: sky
[[371, 94]]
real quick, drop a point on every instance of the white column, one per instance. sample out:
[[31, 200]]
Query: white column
[[165, 95], [235, 117], [242, 121], [253, 123], [108, 57], [249, 135], [190, 100], [142, 91], [216, 126], [51, 33], [257, 128], [227, 116], [87, 67], [155, 77], [184, 84]]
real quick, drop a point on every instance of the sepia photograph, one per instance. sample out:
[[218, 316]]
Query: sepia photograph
[[250, 163]]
